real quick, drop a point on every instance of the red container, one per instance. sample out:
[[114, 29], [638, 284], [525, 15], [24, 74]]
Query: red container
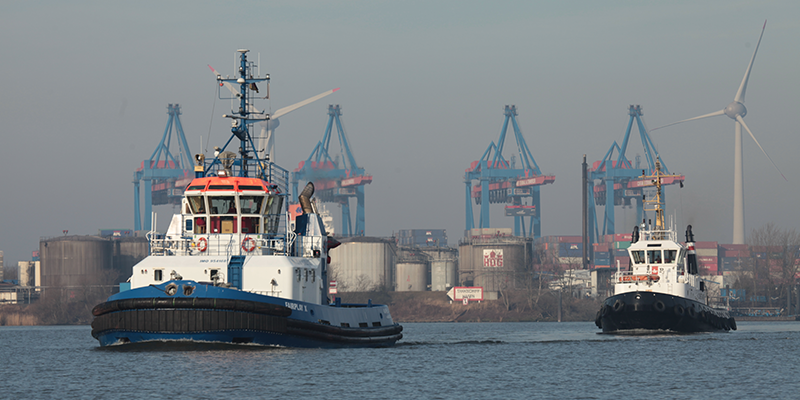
[[623, 237], [736, 253], [707, 260]]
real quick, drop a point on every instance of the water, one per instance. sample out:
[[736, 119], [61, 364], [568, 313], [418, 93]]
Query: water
[[434, 361]]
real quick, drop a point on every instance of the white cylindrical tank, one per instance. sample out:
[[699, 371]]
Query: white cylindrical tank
[[362, 264], [444, 274], [411, 276]]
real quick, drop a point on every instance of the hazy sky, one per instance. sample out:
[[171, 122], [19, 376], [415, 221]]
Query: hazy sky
[[423, 85]]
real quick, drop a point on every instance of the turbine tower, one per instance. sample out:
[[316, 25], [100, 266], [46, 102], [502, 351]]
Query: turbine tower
[[736, 111], [265, 141]]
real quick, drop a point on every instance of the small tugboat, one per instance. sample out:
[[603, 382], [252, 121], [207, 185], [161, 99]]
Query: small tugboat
[[663, 290], [230, 271]]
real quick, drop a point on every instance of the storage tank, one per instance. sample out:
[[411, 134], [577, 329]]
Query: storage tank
[[128, 251], [493, 263], [444, 268], [76, 261], [412, 275], [363, 264]]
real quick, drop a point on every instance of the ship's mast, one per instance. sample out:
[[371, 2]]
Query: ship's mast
[[246, 114], [659, 227]]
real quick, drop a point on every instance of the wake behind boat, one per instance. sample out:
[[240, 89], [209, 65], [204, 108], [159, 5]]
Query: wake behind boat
[[663, 290], [230, 270]]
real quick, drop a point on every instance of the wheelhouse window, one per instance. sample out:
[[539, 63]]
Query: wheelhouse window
[[669, 256], [158, 275], [272, 213], [197, 204], [223, 214], [654, 256], [251, 204], [638, 256]]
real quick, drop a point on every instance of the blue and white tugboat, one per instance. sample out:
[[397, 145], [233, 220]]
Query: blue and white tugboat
[[663, 290], [231, 270]]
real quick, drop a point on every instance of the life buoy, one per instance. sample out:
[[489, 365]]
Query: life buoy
[[659, 306], [679, 310], [248, 244], [619, 305], [202, 244]]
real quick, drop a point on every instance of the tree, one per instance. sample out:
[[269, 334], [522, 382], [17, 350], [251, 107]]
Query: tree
[[773, 275]]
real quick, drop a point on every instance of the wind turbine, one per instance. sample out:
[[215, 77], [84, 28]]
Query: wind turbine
[[266, 140], [736, 111]]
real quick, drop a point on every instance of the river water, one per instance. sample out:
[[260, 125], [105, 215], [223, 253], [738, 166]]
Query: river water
[[433, 361]]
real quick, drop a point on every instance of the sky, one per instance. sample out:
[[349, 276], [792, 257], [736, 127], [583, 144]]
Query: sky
[[86, 86]]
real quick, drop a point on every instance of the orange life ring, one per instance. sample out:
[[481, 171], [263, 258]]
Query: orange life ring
[[202, 244], [248, 244]]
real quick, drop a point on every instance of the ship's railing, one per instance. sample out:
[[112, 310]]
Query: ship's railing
[[309, 246], [272, 173], [659, 235], [218, 245]]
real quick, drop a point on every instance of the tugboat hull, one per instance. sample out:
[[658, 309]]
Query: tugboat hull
[[227, 316], [634, 311]]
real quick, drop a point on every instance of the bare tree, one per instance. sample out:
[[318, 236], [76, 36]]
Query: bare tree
[[772, 275]]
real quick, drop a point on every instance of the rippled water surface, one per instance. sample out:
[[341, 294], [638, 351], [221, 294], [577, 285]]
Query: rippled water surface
[[436, 360]]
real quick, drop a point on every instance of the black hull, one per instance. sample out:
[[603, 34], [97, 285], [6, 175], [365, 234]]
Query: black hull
[[660, 312], [225, 321]]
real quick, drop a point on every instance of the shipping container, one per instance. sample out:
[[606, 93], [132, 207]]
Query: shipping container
[[707, 252], [623, 237], [735, 247], [570, 239], [706, 245], [707, 260], [622, 245], [735, 253], [604, 247]]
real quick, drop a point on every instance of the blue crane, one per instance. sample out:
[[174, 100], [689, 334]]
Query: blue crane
[[499, 181], [620, 181], [165, 174], [337, 179]]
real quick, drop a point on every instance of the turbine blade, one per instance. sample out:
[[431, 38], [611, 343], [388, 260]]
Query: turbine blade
[[288, 109], [235, 92], [740, 120], [227, 85], [743, 87], [714, 114]]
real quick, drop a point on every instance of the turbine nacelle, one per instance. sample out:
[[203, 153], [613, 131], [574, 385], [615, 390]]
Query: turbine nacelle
[[735, 109]]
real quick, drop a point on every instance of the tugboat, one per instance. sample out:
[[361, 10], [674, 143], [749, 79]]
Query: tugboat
[[230, 271], [663, 291]]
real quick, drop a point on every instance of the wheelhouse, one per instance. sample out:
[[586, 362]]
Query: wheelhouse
[[231, 205]]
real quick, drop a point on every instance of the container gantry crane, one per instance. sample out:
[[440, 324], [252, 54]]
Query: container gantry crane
[[499, 181], [165, 174], [337, 179], [620, 182]]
